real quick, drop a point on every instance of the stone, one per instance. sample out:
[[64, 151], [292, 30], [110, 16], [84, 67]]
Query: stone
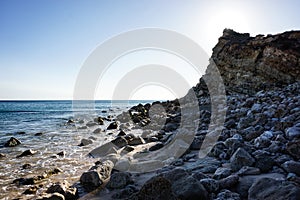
[[241, 158], [26, 166], [38, 134], [99, 120], [227, 195], [85, 142], [196, 144], [125, 193], [90, 124], [2, 155], [262, 142], [31, 190], [293, 132], [293, 148], [292, 167], [136, 141], [211, 185], [96, 176], [155, 188], [61, 154], [64, 189], [12, 142], [246, 170], [28, 152], [121, 133], [264, 160], [97, 130], [120, 142], [221, 172], [269, 189], [112, 125], [229, 182], [119, 180]]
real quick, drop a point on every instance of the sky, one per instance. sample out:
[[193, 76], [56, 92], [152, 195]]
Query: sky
[[43, 44]]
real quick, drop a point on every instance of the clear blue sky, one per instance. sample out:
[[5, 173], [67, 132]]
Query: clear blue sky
[[44, 43]]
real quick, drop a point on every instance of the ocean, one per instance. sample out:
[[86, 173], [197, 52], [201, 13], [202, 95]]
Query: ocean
[[24, 119]]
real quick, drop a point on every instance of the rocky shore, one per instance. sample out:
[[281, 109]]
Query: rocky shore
[[256, 156]]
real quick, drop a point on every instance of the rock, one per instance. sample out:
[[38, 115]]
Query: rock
[[211, 185], [169, 127], [189, 188], [125, 193], [246, 170], [38, 134], [12, 142], [264, 160], [99, 120], [196, 144], [2, 155], [97, 130], [175, 174], [293, 132], [26, 166], [62, 153], [90, 124], [95, 177], [64, 189], [119, 180], [136, 141], [54, 196], [121, 133], [292, 167], [120, 142], [241, 158], [229, 182], [85, 142], [232, 145], [155, 188], [293, 148], [28, 152], [227, 195], [112, 125], [269, 189], [31, 190], [221, 172], [157, 146], [177, 162]]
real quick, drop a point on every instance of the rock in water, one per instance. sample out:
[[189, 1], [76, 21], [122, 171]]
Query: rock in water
[[112, 125], [270, 189], [12, 142], [28, 152], [95, 177]]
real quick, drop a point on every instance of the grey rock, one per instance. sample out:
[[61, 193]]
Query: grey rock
[[97, 130], [28, 152], [120, 142], [293, 148], [246, 170], [95, 177], [262, 142], [269, 189], [241, 158], [229, 182], [119, 180], [137, 140], [196, 144], [211, 185], [85, 142], [264, 160], [221, 173]]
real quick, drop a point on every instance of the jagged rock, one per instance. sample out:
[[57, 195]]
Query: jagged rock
[[95, 177], [241, 158], [120, 142], [12, 142], [229, 182], [251, 64], [112, 125], [119, 180], [28, 152], [269, 189]]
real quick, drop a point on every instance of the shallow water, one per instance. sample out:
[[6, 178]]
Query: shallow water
[[48, 117]]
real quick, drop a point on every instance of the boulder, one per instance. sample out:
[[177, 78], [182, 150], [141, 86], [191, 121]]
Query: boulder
[[269, 189], [95, 177], [12, 142], [241, 158], [119, 180]]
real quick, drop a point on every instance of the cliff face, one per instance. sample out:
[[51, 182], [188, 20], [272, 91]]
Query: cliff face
[[250, 64]]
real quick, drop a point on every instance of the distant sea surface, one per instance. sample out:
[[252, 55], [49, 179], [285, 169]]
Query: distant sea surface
[[23, 119]]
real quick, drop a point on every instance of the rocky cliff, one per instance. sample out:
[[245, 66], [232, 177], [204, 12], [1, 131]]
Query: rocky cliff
[[250, 64]]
